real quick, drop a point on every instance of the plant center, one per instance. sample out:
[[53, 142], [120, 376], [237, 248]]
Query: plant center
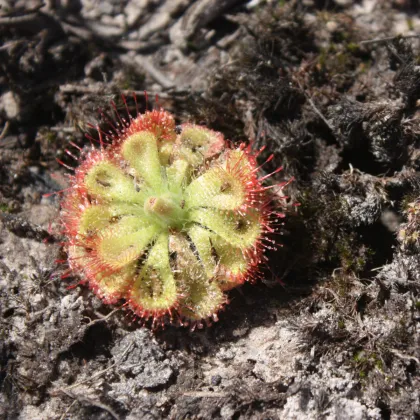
[[166, 210]]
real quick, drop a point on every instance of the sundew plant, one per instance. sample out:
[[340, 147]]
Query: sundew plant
[[168, 218]]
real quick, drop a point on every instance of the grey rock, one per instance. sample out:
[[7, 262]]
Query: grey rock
[[141, 361]]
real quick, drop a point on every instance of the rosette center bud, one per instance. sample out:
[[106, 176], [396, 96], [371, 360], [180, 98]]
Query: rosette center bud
[[167, 210]]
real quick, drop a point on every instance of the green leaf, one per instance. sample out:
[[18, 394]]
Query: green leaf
[[227, 264], [233, 265], [96, 218], [112, 286], [198, 144], [155, 289], [241, 231], [201, 240], [125, 241], [110, 183], [217, 189], [202, 296], [141, 152], [178, 174]]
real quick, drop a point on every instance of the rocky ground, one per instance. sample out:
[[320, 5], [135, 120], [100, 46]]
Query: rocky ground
[[332, 88]]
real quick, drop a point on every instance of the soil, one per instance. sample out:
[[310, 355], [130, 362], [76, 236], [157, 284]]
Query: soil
[[332, 88]]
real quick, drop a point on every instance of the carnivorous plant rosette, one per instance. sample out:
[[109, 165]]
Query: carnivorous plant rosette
[[168, 218]]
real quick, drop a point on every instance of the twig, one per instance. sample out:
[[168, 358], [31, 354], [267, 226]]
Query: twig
[[78, 31], [69, 130], [11, 44], [161, 18], [199, 14], [98, 404], [404, 356], [76, 89], [149, 68], [68, 409], [387, 39], [317, 111], [203, 394], [36, 316], [15, 20], [34, 23], [155, 73], [5, 130], [26, 12], [134, 45], [70, 88], [335, 295], [104, 318], [54, 392]]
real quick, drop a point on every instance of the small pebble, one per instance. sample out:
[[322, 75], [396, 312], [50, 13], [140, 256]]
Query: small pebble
[[216, 380]]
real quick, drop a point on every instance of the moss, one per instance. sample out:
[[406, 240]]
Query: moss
[[341, 284], [333, 238], [365, 361], [131, 80], [352, 257], [259, 77], [337, 63], [50, 137], [410, 24], [353, 47], [407, 200], [5, 208]]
